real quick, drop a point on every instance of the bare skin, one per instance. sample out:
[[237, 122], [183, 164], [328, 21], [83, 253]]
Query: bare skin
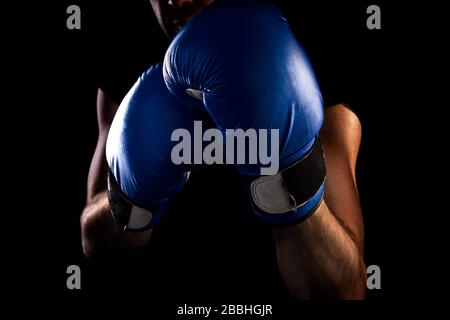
[[321, 257], [99, 233]]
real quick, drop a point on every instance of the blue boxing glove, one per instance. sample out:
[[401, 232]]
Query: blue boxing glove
[[142, 176], [240, 61]]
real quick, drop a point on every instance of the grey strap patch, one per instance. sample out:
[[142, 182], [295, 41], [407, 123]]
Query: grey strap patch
[[128, 216], [270, 194], [292, 187], [196, 94], [139, 218]]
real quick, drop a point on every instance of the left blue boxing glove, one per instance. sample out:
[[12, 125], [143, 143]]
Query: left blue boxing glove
[[142, 176]]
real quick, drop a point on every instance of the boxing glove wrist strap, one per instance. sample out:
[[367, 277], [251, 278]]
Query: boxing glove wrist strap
[[127, 215], [292, 187]]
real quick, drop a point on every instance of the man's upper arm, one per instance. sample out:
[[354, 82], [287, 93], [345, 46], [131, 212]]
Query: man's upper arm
[[341, 137], [106, 109]]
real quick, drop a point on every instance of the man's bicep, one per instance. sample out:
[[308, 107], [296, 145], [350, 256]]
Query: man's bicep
[[106, 109], [340, 137]]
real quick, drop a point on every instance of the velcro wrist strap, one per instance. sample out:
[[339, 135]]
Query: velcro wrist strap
[[128, 216], [292, 187]]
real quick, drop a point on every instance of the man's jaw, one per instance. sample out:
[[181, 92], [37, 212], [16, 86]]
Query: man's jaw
[[176, 19]]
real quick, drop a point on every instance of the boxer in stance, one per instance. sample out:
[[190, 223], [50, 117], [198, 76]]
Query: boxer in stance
[[234, 64]]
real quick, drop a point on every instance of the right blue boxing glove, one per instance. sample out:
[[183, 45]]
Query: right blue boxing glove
[[240, 61], [142, 174]]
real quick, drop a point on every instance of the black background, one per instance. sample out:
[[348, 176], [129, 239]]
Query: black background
[[206, 251]]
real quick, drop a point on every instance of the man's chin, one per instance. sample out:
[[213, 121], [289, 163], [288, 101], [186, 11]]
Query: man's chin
[[177, 28], [171, 29]]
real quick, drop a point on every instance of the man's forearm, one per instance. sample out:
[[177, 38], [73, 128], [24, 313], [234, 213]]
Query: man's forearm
[[101, 236], [319, 258]]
